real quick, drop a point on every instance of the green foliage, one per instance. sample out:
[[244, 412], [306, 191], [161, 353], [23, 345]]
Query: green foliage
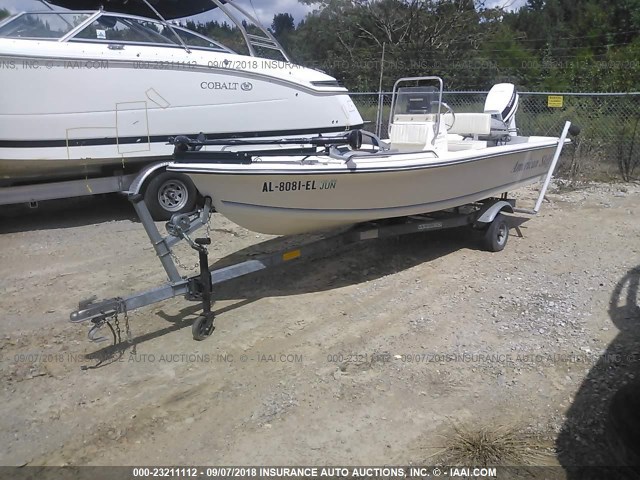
[[4, 13], [346, 38], [282, 28], [548, 45], [584, 45], [282, 24]]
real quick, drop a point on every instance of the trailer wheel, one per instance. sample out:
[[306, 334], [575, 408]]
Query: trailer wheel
[[168, 193], [497, 234], [202, 327]]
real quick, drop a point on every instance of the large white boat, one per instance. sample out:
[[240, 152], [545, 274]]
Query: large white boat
[[88, 91], [433, 160]]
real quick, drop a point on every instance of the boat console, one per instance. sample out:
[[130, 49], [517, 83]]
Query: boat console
[[421, 121], [415, 123]]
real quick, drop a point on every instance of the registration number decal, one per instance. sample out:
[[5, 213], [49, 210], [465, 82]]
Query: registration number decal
[[299, 185]]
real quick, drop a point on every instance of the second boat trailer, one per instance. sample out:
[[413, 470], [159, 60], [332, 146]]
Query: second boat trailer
[[485, 216]]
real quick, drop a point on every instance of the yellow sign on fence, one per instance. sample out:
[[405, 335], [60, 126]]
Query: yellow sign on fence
[[555, 101]]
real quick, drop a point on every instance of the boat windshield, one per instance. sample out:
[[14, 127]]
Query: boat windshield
[[125, 29], [416, 100], [109, 27], [44, 26]]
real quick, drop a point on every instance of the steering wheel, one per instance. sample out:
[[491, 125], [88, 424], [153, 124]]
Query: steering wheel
[[447, 109]]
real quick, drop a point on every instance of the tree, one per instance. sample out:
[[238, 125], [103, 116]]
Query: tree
[[579, 45], [420, 37], [282, 24]]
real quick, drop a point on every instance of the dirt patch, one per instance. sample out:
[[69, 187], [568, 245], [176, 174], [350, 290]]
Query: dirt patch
[[369, 355]]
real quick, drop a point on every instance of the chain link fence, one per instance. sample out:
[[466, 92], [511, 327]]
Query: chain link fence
[[608, 146]]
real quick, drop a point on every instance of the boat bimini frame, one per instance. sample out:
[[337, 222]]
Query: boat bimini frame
[[485, 216], [232, 11]]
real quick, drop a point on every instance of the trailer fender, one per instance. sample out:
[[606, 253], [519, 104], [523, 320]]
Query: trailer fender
[[488, 213], [166, 193], [144, 175]]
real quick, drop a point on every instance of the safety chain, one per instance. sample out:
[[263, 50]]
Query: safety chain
[[122, 307], [116, 322], [207, 225], [182, 265]]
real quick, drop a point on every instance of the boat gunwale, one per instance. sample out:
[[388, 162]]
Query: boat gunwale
[[214, 169]]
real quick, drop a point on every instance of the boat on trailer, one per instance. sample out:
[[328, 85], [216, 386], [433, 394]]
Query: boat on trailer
[[383, 187], [434, 159]]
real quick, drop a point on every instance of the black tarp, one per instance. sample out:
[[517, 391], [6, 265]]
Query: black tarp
[[168, 8]]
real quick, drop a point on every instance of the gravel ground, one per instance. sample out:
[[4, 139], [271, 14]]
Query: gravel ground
[[373, 354]]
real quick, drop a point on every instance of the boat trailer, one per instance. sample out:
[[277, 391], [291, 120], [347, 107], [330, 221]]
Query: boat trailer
[[485, 216]]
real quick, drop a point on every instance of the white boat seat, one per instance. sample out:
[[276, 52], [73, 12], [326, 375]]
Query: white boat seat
[[469, 124], [411, 135], [479, 126]]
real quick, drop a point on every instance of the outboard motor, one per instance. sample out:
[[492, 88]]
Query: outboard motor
[[502, 104]]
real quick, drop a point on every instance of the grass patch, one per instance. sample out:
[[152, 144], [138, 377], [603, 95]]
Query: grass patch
[[493, 446]]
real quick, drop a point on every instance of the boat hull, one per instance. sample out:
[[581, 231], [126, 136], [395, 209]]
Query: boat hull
[[274, 200], [72, 109]]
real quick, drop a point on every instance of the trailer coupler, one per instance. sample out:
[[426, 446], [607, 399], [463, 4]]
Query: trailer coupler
[[101, 314], [96, 312]]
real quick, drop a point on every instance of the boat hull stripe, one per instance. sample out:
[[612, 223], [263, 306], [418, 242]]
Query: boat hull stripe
[[164, 138]]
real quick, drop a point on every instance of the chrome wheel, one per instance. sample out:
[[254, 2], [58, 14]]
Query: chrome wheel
[[173, 195], [168, 193]]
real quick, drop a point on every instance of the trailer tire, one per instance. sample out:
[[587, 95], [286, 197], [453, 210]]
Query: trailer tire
[[169, 193], [497, 234]]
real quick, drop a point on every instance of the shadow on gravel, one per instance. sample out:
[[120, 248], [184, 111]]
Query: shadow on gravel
[[603, 423], [66, 213], [351, 265]]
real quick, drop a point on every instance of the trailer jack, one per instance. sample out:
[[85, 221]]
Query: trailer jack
[[196, 288], [201, 289]]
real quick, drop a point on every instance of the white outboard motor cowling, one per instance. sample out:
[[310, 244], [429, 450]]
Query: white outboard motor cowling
[[502, 104]]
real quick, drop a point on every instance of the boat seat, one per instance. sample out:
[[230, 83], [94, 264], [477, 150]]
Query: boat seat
[[469, 124], [411, 136], [478, 126], [412, 132]]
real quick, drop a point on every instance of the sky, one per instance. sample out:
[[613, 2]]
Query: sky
[[264, 10]]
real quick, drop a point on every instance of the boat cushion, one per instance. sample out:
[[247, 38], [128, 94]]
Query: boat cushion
[[469, 124], [410, 135]]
